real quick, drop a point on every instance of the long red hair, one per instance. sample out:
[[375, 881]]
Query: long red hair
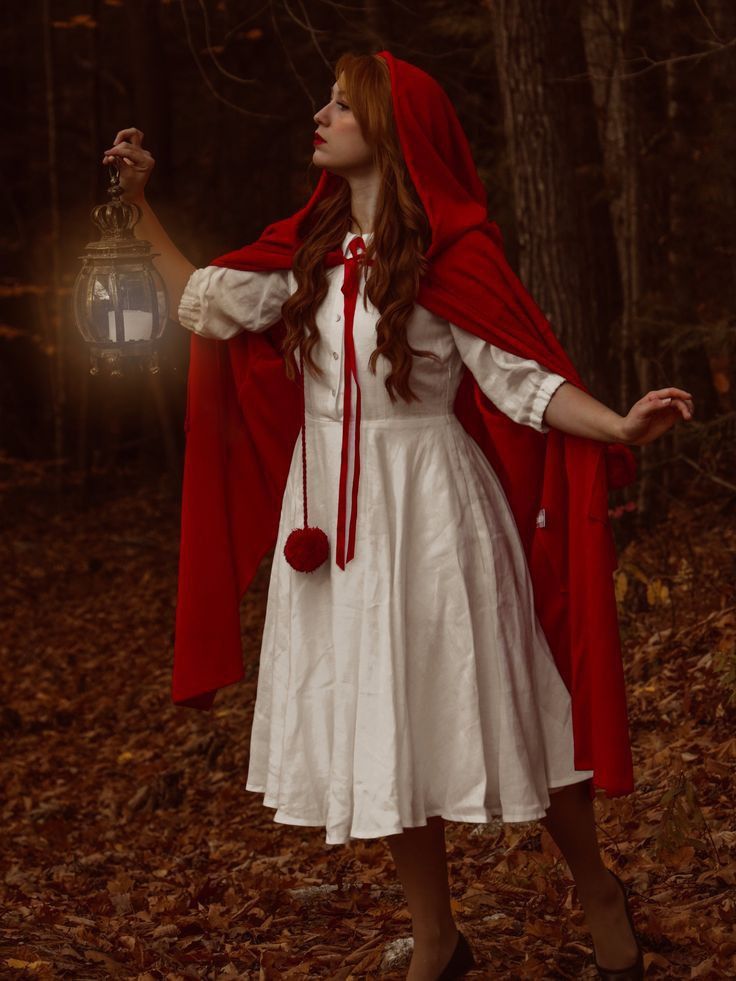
[[401, 236]]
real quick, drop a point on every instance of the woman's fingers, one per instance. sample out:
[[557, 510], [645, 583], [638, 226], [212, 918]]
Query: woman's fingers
[[124, 145], [139, 162], [643, 413], [129, 137], [667, 392], [133, 134], [654, 402], [127, 151], [668, 396]]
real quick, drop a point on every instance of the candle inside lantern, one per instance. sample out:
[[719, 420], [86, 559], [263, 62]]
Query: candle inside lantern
[[137, 325]]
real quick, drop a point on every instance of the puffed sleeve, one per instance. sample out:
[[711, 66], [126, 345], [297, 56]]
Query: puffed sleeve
[[519, 387], [219, 302]]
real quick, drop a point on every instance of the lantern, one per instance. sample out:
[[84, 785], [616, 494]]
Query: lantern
[[120, 299]]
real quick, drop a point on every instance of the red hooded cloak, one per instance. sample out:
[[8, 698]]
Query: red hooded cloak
[[244, 415]]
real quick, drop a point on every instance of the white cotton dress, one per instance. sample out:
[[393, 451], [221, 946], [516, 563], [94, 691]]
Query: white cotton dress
[[417, 681]]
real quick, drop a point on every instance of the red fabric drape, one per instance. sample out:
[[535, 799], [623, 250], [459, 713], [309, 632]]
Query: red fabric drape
[[243, 418]]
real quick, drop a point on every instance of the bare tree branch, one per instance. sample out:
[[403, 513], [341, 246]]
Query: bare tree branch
[[652, 64], [711, 476], [208, 83], [339, 7], [707, 21], [290, 60], [254, 15], [312, 32], [211, 51]]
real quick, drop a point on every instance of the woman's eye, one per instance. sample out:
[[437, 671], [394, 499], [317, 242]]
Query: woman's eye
[[342, 105]]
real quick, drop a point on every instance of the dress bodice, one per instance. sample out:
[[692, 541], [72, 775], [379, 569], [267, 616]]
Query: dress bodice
[[219, 302]]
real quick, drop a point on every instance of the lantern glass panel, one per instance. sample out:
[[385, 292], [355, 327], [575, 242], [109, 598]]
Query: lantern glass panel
[[125, 304]]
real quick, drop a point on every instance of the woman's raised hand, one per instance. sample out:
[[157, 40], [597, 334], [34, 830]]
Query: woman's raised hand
[[655, 413], [134, 163]]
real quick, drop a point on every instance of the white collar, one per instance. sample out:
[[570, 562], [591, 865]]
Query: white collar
[[349, 236]]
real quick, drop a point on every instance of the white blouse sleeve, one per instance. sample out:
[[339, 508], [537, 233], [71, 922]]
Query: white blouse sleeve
[[519, 387], [220, 303]]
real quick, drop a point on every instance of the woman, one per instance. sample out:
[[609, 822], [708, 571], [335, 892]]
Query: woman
[[408, 679]]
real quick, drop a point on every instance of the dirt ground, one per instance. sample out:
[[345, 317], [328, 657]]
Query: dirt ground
[[131, 849]]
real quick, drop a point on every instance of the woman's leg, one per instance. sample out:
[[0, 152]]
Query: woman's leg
[[421, 862], [570, 819]]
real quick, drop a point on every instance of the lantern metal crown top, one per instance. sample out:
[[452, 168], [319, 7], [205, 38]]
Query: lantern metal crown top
[[116, 219]]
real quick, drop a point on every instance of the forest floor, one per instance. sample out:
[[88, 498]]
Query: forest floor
[[131, 849]]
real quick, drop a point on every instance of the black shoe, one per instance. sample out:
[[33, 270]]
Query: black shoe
[[635, 972], [461, 962]]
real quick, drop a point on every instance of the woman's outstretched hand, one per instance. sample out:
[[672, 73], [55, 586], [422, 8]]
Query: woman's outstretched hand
[[655, 413], [134, 163]]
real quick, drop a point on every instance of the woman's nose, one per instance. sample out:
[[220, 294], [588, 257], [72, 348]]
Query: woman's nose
[[318, 117]]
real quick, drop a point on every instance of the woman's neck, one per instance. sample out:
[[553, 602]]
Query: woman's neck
[[364, 191]]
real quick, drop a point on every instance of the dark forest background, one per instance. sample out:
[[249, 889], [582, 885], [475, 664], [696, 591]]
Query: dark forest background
[[604, 133], [603, 130]]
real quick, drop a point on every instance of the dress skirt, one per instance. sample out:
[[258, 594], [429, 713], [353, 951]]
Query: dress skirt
[[417, 681]]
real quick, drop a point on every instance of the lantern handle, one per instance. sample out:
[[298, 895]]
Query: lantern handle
[[113, 171]]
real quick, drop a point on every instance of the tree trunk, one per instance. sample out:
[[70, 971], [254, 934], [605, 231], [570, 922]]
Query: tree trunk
[[605, 26], [549, 213], [720, 25], [53, 315], [149, 82]]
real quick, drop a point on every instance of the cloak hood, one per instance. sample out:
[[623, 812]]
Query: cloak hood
[[243, 418]]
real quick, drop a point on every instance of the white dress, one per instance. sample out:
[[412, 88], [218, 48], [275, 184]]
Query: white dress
[[417, 681]]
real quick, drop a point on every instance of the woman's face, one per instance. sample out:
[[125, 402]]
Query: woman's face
[[344, 150]]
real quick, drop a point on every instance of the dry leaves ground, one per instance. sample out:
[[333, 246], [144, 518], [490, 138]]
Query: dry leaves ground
[[132, 850]]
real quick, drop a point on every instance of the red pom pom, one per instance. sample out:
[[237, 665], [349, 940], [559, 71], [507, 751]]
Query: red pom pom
[[306, 549]]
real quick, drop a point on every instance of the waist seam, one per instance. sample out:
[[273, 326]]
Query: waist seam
[[394, 422]]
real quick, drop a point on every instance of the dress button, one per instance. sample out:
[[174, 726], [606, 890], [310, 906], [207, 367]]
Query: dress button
[[332, 390], [335, 355], [338, 317]]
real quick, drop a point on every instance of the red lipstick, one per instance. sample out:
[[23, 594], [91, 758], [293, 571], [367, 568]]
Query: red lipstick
[[318, 139]]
